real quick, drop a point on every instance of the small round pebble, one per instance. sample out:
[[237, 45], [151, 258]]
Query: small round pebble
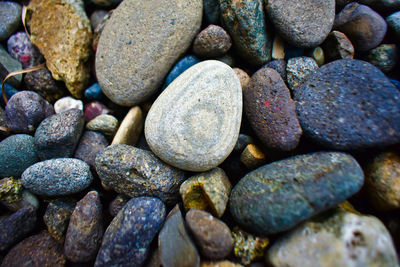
[[244, 78], [105, 124], [180, 67], [20, 47], [94, 92], [213, 41], [90, 145], [66, 103], [298, 69], [94, 109], [384, 57], [57, 215], [131, 128], [337, 46], [10, 18]]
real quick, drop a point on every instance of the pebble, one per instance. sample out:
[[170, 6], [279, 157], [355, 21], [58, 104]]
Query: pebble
[[136, 172], [279, 65], [96, 17], [212, 236], [277, 196], [94, 109], [363, 26], [271, 111], [20, 47], [335, 112], [252, 157], [117, 204], [211, 11], [42, 82], [337, 46], [51, 22], [10, 190], [244, 78], [37, 250], [57, 215], [25, 110], [202, 109], [220, 264], [94, 92], [245, 21], [27, 198], [85, 229], [182, 65], [67, 103], [247, 247], [90, 145], [175, 246], [131, 128], [242, 142], [211, 42], [9, 91], [302, 23], [338, 239], [298, 69], [57, 177], [393, 21], [146, 32], [278, 48], [318, 55], [207, 191], [105, 124], [58, 135], [7, 65], [10, 18], [384, 57], [128, 237], [15, 227], [17, 153]]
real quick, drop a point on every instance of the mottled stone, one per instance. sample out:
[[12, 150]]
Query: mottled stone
[[7, 65], [298, 69], [128, 237], [271, 111], [94, 92], [58, 135], [182, 65], [20, 47], [66, 103], [10, 18], [244, 78], [130, 129], [17, 153], [90, 145], [139, 45], [117, 204], [96, 17], [220, 264], [57, 216], [247, 247], [211, 42], [384, 57], [213, 236], [349, 104], [105, 124], [36, 251], [362, 25], [393, 21], [337, 46], [279, 65], [16, 226], [26, 198], [25, 111], [245, 21], [207, 191], [336, 239], [94, 109], [136, 172], [61, 30], [194, 124], [10, 190], [252, 157], [174, 243], [277, 196], [303, 23], [57, 177]]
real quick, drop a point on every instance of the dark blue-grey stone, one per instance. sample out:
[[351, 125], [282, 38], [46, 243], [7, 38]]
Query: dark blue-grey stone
[[10, 91], [10, 18], [384, 57], [393, 22], [94, 92], [383, 6], [17, 153], [57, 177], [396, 83], [179, 68], [349, 104], [90, 145], [211, 11], [58, 135], [277, 196], [128, 237], [9, 64]]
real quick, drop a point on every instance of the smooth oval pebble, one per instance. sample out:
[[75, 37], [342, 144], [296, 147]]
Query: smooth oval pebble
[[57, 177], [90, 145], [277, 196], [66, 103], [194, 123]]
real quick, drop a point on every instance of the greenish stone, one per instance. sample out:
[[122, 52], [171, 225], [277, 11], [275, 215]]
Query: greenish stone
[[10, 190], [385, 57], [247, 247]]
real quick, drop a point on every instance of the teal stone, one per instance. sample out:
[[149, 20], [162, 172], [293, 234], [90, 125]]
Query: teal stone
[[9, 64]]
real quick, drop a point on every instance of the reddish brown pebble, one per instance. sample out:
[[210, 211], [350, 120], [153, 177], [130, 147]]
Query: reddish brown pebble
[[337, 46], [94, 109], [244, 78], [213, 41]]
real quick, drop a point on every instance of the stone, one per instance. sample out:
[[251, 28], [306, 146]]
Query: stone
[[211, 42], [131, 127], [337, 46], [15, 227], [57, 215], [17, 153], [349, 104], [363, 26], [10, 190], [8, 65], [58, 135], [9, 92], [337, 239], [278, 48], [212, 236], [105, 124], [279, 195], [303, 23], [20, 47], [245, 21], [25, 110], [128, 237], [220, 264], [298, 69], [27, 198], [182, 65], [271, 111], [174, 243], [94, 92], [279, 65], [117, 204], [318, 55], [94, 109], [66, 103], [252, 157], [242, 142], [37, 250], [194, 124], [207, 191], [90, 145], [62, 32], [10, 18], [96, 17], [138, 34], [99, 29], [136, 172], [384, 57], [382, 6], [393, 21], [106, 3], [85, 229], [57, 177], [247, 247], [211, 11], [244, 78]]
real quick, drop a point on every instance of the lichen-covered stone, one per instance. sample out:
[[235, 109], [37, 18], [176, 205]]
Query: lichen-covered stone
[[105, 124], [213, 41], [7, 65], [10, 190], [57, 215], [337, 46], [26, 198], [131, 127], [61, 30], [128, 237], [277, 196], [44, 84], [136, 172], [384, 57], [298, 69], [10, 18], [90, 145], [248, 247]]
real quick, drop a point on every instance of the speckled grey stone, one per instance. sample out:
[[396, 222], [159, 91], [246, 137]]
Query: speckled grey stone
[[279, 65], [140, 43], [128, 237], [9, 64], [105, 124], [58, 135], [10, 18], [90, 145], [57, 177], [194, 123], [298, 69], [211, 42]]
